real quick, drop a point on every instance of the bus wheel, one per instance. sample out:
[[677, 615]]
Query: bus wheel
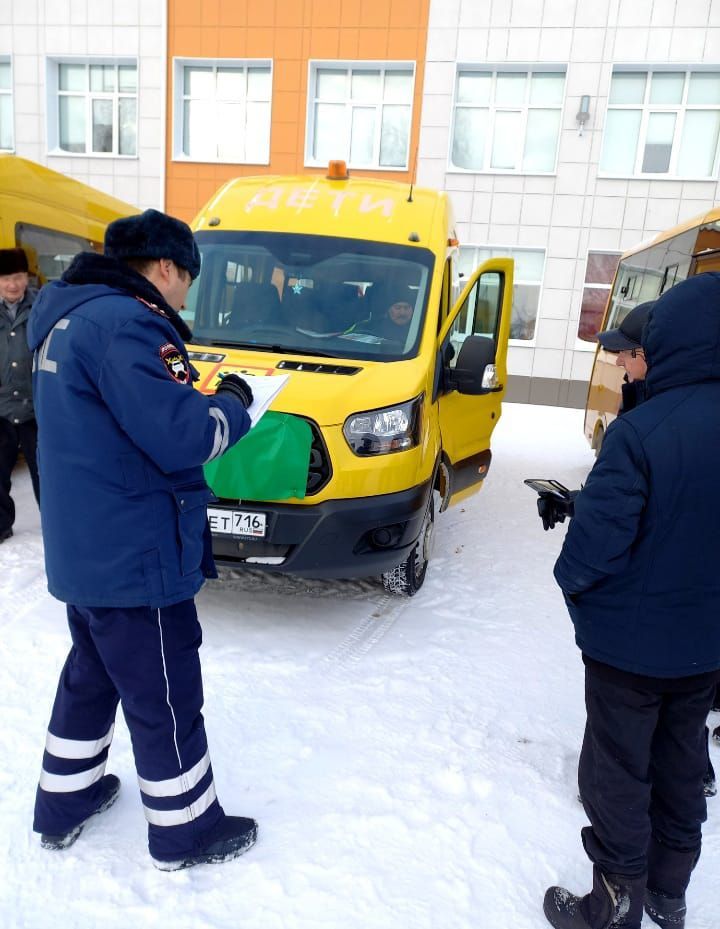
[[598, 440], [406, 578]]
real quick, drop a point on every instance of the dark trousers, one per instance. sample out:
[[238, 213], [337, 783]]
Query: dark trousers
[[641, 770], [146, 659], [13, 437]]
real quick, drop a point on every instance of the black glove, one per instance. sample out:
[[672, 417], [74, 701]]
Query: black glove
[[235, 385], [552, 509]]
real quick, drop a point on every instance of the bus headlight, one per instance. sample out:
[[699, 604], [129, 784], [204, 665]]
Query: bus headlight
[[381, 432]]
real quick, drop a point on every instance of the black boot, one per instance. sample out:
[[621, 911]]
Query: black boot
[[669, 873], [111, 788], [615, 902], [668, 912], [232, 836]]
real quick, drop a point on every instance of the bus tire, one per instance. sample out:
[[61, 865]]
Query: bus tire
[[406, 578], [598, 440]]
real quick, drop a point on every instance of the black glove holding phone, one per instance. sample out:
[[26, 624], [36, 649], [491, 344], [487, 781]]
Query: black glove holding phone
[[555, 502], [238, 387]]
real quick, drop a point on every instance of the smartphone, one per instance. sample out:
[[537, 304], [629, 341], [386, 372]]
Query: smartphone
[[546, 486]]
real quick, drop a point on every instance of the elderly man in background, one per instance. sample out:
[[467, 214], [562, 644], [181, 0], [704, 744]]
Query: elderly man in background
[[18, 430]]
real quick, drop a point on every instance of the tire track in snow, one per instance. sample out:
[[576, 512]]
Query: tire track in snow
[[368, 633]]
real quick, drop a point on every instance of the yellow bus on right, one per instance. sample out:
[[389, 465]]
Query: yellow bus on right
[[645, 273]]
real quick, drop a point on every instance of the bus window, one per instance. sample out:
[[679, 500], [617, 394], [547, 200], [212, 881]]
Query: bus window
[[53, 250], [644, 274]]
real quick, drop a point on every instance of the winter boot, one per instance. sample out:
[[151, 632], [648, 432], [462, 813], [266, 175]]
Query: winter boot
[[111, 788], [668, 912], [615, 902], [232, 836], [669, 871], [709, 783]]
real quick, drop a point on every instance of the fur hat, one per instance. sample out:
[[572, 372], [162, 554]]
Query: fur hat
[[153, 235], [12, 260]]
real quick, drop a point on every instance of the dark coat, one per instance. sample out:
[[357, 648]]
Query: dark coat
[[123, 436], [640, 566], [16, 363]]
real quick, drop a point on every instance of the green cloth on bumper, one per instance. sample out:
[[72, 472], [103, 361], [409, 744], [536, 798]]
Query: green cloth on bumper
[[269, 463]]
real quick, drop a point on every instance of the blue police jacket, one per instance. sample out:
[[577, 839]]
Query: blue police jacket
[[640, 566], [123, 436]]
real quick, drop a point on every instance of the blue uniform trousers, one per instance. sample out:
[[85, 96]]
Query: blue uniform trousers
[[147, 659]]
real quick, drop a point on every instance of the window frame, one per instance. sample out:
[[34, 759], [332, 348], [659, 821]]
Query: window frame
[[647, 108], [348, 66], [7, 60], [53, 104], [506, 68], [179, 97], [509, 251]]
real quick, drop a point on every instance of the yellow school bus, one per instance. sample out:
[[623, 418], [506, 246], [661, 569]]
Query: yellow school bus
[[644, 273], [51, 216], [346, 286]]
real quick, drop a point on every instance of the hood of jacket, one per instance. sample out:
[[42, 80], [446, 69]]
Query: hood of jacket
[[682, 336], [90, 276]]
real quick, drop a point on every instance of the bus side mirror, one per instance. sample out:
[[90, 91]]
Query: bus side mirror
[[475, 371]]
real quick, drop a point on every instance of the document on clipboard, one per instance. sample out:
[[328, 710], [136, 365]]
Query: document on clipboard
[[264, 389]]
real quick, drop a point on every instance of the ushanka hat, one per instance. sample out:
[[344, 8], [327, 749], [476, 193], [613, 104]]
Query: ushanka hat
[[628, 333], [12, 260], [153, 235]]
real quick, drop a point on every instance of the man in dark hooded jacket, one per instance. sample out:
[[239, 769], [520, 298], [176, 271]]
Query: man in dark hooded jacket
[[638, 570], [123, 438]]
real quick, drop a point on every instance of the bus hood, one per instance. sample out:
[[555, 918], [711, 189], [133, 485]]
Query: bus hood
[[326, 390]]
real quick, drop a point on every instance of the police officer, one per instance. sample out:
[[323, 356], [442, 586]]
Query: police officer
[[123, 438], [18, 429]]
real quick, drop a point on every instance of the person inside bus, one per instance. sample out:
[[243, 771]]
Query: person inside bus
[[396, 321], [18, 430]]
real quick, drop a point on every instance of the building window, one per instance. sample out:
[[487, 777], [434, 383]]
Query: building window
[[360, 113], [599, 275], [662, 123], [507, 120], [93, 108], [529, 267], [222, 111], [6, 107]]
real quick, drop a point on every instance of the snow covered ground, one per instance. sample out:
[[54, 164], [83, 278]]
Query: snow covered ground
[[411, 763]]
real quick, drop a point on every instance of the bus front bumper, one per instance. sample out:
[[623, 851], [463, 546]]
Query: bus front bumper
[[335, 539]]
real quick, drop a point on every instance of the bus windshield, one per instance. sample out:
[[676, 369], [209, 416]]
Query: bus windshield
[[307, 294]]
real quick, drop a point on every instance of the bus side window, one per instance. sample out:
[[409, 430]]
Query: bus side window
[[53, 250], [480, 313]]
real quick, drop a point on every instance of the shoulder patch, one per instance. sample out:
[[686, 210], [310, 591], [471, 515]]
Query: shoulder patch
[[174, 361]]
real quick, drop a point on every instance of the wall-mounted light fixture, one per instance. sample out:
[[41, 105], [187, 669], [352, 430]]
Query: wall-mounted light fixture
[[583, 114]]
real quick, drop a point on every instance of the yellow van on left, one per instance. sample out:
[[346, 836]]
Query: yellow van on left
[[51, 216]]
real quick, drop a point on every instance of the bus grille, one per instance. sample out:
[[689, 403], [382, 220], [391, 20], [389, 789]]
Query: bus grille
[[319, 469]]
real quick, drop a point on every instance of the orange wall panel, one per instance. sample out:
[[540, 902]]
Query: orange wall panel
[[289, 33]]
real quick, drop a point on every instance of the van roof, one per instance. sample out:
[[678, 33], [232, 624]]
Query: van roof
[[29, 181], [358, 207]]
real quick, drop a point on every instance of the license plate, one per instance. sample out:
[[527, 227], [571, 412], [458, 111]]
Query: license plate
[[237, 522]]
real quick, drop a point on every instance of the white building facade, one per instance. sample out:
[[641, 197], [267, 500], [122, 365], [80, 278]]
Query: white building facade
[[82, 90], [567, 131]]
